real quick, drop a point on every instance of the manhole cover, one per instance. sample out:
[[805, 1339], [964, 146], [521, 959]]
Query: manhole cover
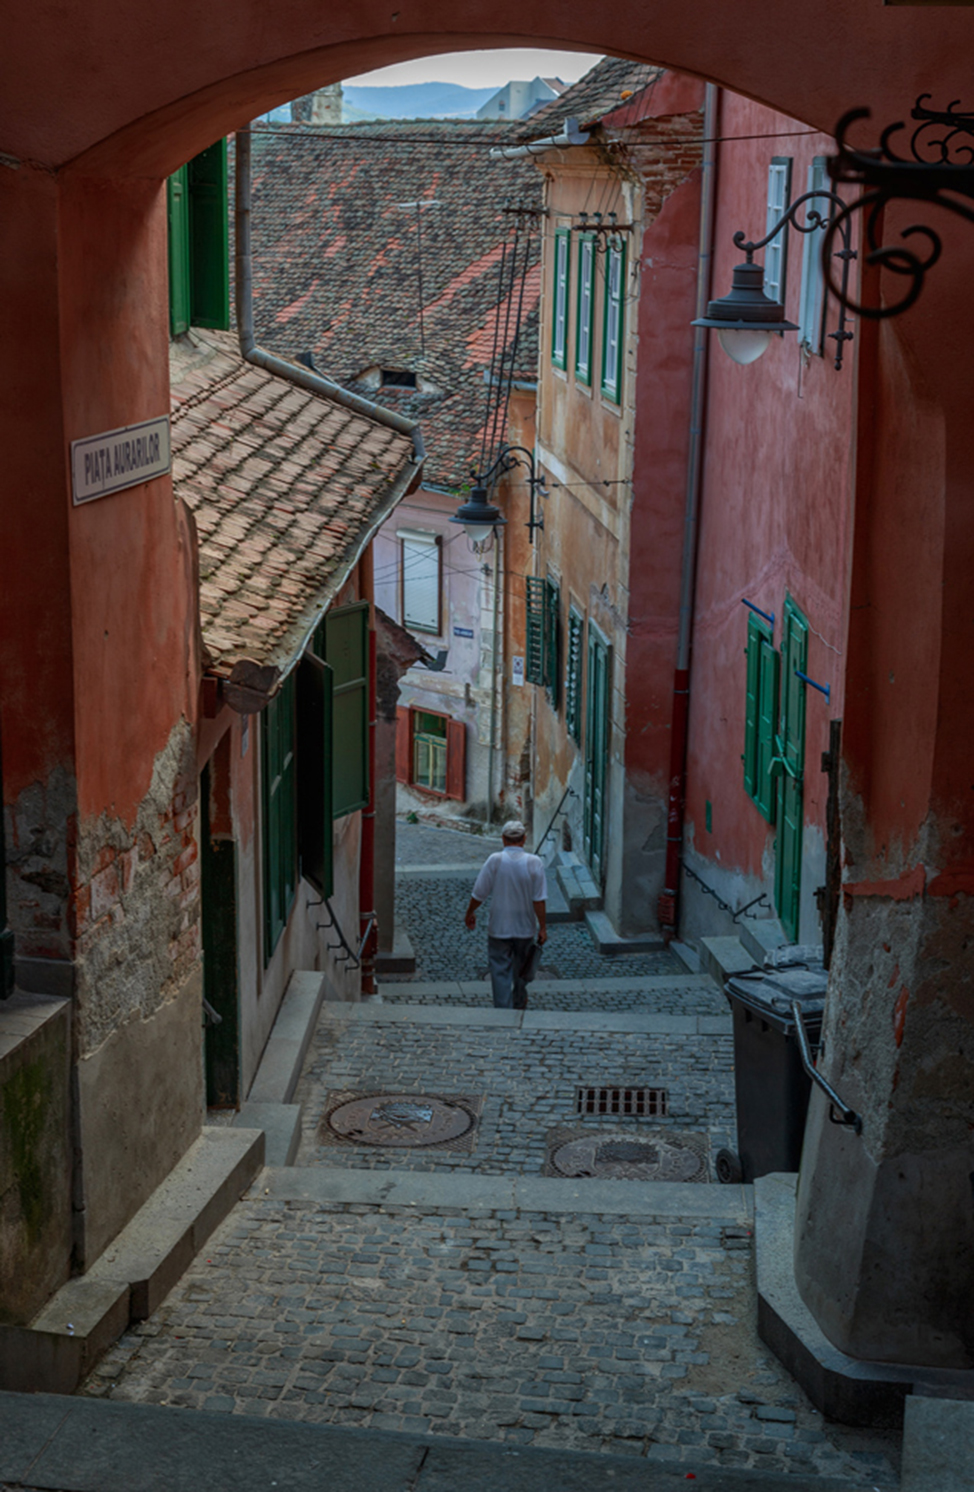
[[401, 1120], [658, 1157]]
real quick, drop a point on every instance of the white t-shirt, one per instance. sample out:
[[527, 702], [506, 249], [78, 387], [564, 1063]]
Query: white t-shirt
[[514, 879]]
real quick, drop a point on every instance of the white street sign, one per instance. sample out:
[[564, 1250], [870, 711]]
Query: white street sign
[[101, 464]]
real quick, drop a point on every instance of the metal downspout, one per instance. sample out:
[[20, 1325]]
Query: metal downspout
[[368, 922], [303, 378], [668, 904], [493, 681]]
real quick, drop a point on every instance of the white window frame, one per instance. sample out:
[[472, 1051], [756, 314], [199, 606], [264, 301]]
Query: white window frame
[[776, 252], [421, 580], [559, 313], [585, 320], [811, 314]]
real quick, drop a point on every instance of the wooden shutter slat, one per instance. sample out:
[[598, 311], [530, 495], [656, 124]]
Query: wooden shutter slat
[[177, 203], [534, 597]]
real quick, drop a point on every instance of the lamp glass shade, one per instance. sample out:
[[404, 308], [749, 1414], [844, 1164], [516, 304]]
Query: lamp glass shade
[[744, 344], [478, 532]]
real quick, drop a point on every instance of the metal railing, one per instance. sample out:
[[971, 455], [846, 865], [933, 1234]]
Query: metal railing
[[568, 793], [845, 1116]]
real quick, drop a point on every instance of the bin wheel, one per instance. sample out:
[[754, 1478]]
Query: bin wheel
[[729, 1168]]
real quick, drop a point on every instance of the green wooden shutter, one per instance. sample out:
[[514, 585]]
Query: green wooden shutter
[[279, 816], [573, 675], [789, 765], [559, 314], [552, 641], [347, 651], [209, 238], [754, 637], [612, 322], [315, 813], [177, 201], [764, 792], [534, 600], [585, 309]]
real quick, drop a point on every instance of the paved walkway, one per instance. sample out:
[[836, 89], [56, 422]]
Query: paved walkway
[[464, 1293]]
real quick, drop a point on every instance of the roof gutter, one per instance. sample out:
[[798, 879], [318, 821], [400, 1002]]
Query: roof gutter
[[302, 377], [570, 135]]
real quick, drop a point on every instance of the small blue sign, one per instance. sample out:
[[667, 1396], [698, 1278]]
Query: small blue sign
[[463, 632]]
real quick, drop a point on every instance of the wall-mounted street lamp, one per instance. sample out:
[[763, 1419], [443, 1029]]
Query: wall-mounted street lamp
[[747, 319], [478, 516]]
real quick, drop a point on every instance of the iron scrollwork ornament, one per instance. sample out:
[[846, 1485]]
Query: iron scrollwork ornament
[[939, 170]]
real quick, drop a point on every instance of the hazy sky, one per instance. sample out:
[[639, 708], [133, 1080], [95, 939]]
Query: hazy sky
[[484, 69]]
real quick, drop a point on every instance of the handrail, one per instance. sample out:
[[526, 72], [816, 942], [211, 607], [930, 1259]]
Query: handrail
[[365, 936], [850, 1119], [342, 940], [568, 793]]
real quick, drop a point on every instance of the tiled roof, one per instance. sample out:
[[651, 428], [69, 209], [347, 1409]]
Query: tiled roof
[[284, 486], [337, 260], [596, 93]]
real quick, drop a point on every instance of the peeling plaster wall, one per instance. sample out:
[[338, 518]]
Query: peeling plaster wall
[[137, 900], [40, 828]]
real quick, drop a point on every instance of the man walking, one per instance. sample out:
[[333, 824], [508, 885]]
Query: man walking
[[516, 882]]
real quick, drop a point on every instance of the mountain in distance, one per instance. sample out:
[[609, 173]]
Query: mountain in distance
[[415, 101]]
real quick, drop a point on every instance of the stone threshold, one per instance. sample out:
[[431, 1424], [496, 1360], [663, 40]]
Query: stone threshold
[[731, 1205], [848, 1389], [621, 1021], [137, 1270]]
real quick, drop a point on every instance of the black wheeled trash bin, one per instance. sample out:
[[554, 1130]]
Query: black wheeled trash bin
[[771, 1086]]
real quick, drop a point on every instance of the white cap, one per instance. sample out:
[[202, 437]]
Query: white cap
[[513, 829]]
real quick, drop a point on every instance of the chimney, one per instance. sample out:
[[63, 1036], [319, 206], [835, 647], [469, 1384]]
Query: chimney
[[326, 106]]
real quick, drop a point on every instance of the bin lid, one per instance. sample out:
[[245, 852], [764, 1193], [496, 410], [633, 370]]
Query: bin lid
[[770, 992]]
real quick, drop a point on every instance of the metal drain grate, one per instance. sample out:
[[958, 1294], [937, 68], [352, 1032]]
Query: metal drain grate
[[622, 1103]]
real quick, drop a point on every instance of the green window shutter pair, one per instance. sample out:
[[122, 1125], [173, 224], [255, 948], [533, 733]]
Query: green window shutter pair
[[573, 675], [760, 716], [199, 239], [346, 650], [279, 804]]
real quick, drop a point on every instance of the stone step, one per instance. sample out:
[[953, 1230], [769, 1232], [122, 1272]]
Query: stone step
[[608, 941], [558, 909], [724, 957], [99, 1445], [938, 1444], [578, 887], [137, 1271]]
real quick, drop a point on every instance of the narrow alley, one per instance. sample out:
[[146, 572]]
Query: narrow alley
[[502, 1285]]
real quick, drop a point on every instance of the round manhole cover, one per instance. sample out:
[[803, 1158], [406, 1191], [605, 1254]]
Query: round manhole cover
[[659, 1159], [401, 1119]]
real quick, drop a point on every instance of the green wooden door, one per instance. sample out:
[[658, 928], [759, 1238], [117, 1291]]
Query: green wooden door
[[218, 912], [596, 751], [788, 767]]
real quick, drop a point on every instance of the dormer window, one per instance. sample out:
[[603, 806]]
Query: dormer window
[[397, 378]]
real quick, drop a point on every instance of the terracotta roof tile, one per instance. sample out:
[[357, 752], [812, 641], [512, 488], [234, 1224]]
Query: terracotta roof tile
[[596, 93], [283, 485], [332, 196]]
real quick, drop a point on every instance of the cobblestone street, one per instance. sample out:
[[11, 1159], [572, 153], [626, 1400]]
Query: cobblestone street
[[464, 1291]]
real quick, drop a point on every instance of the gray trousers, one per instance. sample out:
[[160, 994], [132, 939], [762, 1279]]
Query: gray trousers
[[506, 957]]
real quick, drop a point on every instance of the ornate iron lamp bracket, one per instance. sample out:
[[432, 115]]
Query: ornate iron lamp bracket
[[831, 221], [938, 170], [511, 457]]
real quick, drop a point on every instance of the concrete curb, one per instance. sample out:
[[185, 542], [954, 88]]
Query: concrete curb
[[94, 1445], [621, 1022], [477, 1193]]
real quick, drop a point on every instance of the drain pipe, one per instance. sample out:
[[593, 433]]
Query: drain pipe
[[667, 909], [302, 377]]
